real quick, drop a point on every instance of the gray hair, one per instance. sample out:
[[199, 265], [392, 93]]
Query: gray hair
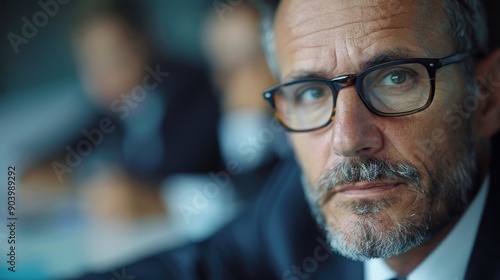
[[466, 22]]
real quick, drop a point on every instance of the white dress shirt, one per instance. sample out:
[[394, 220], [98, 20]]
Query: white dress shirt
[[450, 258]]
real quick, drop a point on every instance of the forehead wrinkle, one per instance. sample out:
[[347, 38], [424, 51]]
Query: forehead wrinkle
[[364, 41], [301, 23], [359, 33], [315, 32], [316, 17], [301, 14], [305, 11], [319, 64]]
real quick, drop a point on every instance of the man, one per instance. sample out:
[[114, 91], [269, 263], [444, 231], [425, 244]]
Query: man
[[391, 107], [389, 169]]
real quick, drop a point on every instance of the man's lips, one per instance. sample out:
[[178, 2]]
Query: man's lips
[[361, 190], [365, 188]]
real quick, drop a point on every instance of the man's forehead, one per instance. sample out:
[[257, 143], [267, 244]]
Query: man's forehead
[[300, 10], [350, 30]]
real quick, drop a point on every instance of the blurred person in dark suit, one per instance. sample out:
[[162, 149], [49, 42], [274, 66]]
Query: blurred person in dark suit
[[160, 104], [392, 109]]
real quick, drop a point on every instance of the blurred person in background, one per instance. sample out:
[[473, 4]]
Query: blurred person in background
[[247, 131], [158, 103]]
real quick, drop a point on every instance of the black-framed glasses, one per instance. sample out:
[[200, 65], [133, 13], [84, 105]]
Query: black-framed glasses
[[391, 89]]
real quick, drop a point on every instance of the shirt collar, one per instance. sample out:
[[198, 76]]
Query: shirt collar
[[449, 260]]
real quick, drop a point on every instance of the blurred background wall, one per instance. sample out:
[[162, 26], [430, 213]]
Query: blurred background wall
[[176, 24]]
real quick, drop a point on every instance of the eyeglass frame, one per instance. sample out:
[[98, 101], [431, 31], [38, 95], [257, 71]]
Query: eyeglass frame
[[338, 83]]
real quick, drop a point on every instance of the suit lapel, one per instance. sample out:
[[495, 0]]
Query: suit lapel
[[485, 259]]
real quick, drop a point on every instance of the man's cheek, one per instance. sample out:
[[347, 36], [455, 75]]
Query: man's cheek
[[431, 144], [311, 155]]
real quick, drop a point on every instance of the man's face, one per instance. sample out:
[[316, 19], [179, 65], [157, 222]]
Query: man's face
[[112, 58], [378, 185]]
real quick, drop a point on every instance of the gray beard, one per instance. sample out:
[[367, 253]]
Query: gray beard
[[365, 238]]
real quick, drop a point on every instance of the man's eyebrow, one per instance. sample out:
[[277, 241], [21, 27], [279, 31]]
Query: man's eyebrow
[[388, 56], [299, 74]]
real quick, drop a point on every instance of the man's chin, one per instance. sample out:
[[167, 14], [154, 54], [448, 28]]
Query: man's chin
[[374, 235], [382, 225], [361, 207]]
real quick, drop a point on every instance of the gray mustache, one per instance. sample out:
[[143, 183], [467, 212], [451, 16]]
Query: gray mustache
[[366, 169]]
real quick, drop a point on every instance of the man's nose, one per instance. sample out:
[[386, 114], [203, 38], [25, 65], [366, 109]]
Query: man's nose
[[354, 131]]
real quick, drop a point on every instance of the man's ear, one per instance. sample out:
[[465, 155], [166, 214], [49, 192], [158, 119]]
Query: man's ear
[[488, 80]]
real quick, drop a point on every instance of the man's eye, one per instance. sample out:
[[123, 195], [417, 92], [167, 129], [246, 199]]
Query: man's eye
[[310, 95], [396, 78]]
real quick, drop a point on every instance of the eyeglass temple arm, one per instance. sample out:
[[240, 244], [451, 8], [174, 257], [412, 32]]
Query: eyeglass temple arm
[[456, 58]]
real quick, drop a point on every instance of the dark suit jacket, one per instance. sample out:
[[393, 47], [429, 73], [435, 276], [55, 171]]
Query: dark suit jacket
[[278, 239]]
